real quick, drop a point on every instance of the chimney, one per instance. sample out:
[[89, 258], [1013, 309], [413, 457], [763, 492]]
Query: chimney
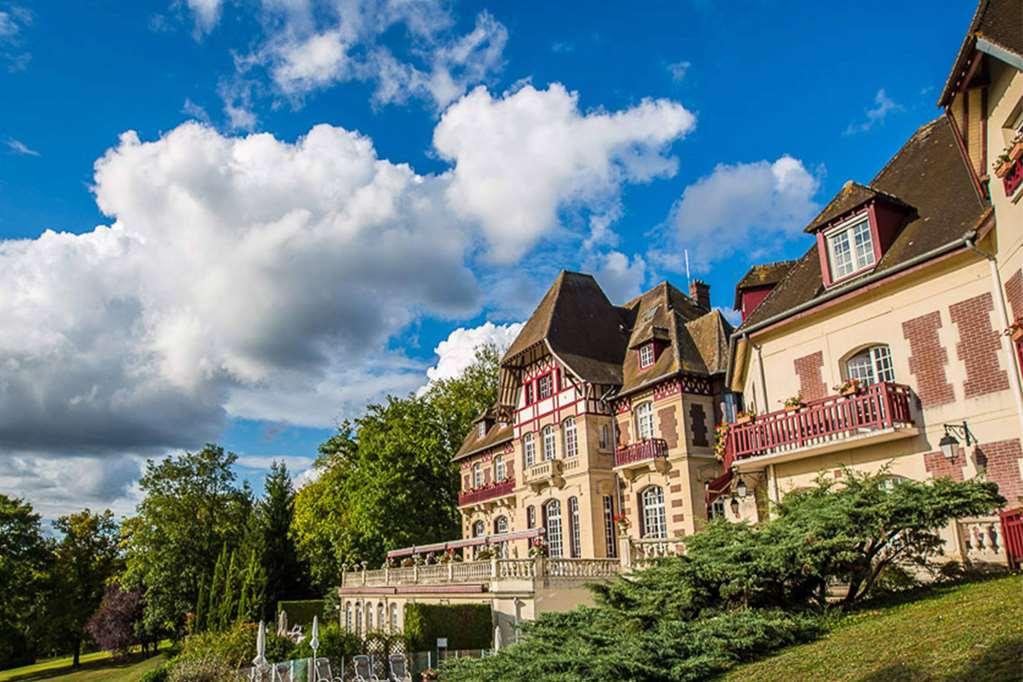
[[699, 291]]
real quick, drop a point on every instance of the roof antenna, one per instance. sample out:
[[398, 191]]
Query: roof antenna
[[686, 252]]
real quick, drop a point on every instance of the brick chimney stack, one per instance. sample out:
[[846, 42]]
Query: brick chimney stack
[[699, 291]]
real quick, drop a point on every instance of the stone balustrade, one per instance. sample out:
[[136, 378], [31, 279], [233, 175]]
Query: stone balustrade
[[982, 541]]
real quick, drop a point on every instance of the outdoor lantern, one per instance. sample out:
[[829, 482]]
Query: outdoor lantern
[[741, 489], [949, 442], [948, 445], [735, 505]]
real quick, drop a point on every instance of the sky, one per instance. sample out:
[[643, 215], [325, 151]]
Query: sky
[[240, 221]]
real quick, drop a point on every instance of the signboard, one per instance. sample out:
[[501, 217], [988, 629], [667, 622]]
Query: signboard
[[442, 642]]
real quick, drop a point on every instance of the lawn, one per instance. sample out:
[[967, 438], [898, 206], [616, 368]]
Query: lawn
[[95, 667], [969, 632]]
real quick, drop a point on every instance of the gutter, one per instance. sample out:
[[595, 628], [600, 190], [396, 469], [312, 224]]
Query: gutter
[[998, 52], [743, 335]]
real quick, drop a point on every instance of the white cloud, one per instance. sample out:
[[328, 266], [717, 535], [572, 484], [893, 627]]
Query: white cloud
[[620, 278], [883, 105], [207, 14], [315, 62], [20, 148], [738, 205], [190, 108], [521, 158], [678, 70], [14, 19], [458, 350]]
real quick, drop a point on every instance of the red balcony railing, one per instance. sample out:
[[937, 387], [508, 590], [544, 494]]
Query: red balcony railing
[[487, 492], [879, 406], [640, 451], [1014, 178]]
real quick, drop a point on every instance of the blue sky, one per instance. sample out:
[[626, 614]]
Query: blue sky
[[508, 141]]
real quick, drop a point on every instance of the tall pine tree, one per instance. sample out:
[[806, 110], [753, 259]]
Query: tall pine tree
[[229, 595], [216, 590], [286, 576]]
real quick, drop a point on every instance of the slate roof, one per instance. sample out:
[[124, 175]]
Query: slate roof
[[764, 274], [997, 21], [927, 173], [851, 196], [497, 434]]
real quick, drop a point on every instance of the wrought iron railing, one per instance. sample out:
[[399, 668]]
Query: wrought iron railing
[[487, 492], [641, 451]]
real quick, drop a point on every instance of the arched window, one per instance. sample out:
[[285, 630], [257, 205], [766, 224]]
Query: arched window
[[574, 535], [394, 617], [479, 529], [499, 472], [871, 365], [348, 617], [552, 524], [501, 526], [609, 527], [644, 421], [381, 623], [652, 503], [358, 618], [369, 618], [571, 438], [528, 450], [530, 516], [549, 443], [477, 475]]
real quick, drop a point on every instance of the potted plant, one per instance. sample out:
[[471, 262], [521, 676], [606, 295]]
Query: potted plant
[[622, 522], [720, 440], [417, 559], [407, 562], [484, 554], [537, 547], [745, 416], [430, 674], [793, 403], [1002, 164], [1016, 146], [849, 387]]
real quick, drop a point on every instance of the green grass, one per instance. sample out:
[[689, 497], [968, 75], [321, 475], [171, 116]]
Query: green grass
[[95, 667], [972, 631]]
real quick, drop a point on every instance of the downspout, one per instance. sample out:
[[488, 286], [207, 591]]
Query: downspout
[[614, 448], [1000, 306]]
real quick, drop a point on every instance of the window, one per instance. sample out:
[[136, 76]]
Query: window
[[348, 617], [477, 475], [501, 526], [529, 394], [609, 527], [652, 503], [479, 529], [528, 450], [530, 516], [549, 443], [571, 438], [381, 623], [717, 508], [394, 617], [871, 365], [574, 538], [644, 421], [850, 249], [605, 437], [499, 472], [646, 355], [545, 386], [358, 618], [369, 617], [481, 430], [552, 523]]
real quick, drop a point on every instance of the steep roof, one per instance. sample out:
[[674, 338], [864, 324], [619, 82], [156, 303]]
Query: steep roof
[[928, 173], [498, 434], [999, 22], [764, 274], [851, 196]]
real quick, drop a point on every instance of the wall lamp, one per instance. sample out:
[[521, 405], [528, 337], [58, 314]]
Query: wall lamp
[[949, 441]]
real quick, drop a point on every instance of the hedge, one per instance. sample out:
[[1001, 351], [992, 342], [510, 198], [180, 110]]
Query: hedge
[[301, 611], [466, 626]]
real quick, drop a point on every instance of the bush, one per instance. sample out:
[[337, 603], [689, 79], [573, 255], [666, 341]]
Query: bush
[[335, 644], [209, 669], [235, 647], [466, 626], [301, 611], [160, 674]]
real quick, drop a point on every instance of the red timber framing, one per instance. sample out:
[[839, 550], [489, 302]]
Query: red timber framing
[[570, 397], [879, 406], [682, 383]]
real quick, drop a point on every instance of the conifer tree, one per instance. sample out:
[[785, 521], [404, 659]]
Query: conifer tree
[[216, 590], [201, 603], [229, 596]]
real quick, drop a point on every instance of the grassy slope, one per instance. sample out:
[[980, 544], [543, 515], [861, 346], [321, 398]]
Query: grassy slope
[[95, 667], [968, 632]]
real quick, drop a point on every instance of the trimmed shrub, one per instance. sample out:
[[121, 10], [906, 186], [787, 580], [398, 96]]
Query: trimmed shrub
[[466, 626], [301, 611], [208, 669], [235, 647], [335, 644]]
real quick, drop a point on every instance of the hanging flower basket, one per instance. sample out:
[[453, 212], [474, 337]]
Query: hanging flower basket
[[745, 417]]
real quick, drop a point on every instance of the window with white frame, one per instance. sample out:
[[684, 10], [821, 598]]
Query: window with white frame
[[574, 533], [605, 437], [481, 430], [610, 543], [358, 618], [530, 516], [479, 529], [528, 450], [550, 441], [369, 617], [501, 526], [655, 524], [499, 468], [644, 420], [871, 365], [348, 617], [571, 438], [394, 617], [717, 508], [381, 622], [850, 248], [477, 475], [552, 524], [528, 388], [545, 386], [646, 355]]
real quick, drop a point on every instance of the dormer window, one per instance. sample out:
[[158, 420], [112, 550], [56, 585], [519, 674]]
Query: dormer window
[[646, 355], [850, 247], [481, 430]]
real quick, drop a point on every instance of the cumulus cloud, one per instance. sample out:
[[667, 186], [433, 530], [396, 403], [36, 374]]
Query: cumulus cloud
[[314, 62], [59, 485], [875, 115], [741, 204], [620, 277], [458, 350], [521, 158]]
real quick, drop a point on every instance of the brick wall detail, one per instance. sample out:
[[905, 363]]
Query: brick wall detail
[[939, 467], [669, 426], [927, 359], [809, 369], [1014, 294], [978, 347], [698, 424], [1001, 460]]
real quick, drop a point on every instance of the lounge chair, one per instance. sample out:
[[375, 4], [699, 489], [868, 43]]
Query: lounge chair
[[323, 672], [398, 669], [364, 669]]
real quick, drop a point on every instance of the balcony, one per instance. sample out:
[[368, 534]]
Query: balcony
[[487, 493], [647, 454], [547, 473], [878, 413], [1013, 179]]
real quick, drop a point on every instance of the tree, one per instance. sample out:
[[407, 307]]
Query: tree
[[25, 559], [116, 624], [460, 400], [191, 508], [286, 575], [84, 559]]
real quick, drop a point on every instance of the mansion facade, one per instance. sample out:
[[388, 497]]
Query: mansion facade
[[895, 342]]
